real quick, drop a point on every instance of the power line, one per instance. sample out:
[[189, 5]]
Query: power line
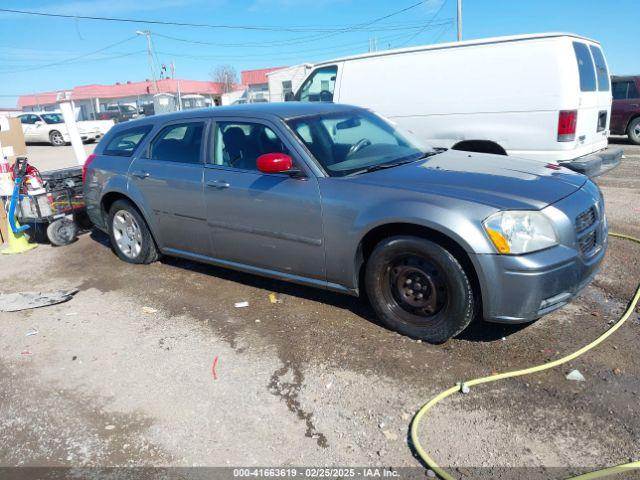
[[72, 59], [198, 25], [427, 25], [283, 42]]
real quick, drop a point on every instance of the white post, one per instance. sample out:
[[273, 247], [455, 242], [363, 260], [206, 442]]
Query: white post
[[459, 20], [72, 127]]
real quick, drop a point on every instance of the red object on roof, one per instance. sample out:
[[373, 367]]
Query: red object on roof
[[257, 77], [129, 89]]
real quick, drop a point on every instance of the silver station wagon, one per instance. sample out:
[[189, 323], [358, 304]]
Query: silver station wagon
[[336, 197]]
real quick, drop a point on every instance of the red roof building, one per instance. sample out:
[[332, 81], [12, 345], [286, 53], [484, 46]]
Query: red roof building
[[125, 90], [257, 77]]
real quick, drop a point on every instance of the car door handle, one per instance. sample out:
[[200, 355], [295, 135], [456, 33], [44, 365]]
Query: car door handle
[[218, 184], [140, 174]]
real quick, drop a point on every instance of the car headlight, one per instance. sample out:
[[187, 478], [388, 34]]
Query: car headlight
[[514, 232]]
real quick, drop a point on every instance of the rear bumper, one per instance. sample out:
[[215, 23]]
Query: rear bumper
[[596, 164]]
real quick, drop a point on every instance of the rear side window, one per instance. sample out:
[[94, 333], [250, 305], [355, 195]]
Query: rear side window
[[124, 143], [623, 90], [619, 90], [180, 142], [585, 67], [601, 69]]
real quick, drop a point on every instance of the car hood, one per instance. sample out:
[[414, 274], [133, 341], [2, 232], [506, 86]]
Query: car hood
[[495, 180]]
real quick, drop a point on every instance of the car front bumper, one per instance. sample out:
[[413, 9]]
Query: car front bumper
[[523, 288], [597, 163]]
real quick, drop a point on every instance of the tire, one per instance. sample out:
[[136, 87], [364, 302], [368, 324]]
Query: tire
[[633, 131], [62, 232], [130, 237], [56, 138], [441, 307]]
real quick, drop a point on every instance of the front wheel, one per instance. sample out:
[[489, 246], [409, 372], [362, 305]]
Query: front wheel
[[56, 138], [130, 237], [634, 131], [419, 289]]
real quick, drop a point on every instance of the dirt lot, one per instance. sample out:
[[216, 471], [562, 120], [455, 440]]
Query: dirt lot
[[310, 381]]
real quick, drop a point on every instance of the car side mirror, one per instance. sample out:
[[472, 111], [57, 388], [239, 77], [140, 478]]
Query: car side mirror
[[275, 163], [289, 97]]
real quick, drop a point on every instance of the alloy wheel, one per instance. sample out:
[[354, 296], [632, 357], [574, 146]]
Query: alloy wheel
[[127, 234], [56, 138]]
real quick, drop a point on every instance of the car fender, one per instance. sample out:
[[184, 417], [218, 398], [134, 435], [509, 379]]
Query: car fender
[[453, 222], [448, 216]]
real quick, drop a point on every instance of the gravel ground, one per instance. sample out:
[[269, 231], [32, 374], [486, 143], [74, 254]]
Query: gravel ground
[[310, 381]]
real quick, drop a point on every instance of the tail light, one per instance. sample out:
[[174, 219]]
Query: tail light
[[567, 121], [87, 162]]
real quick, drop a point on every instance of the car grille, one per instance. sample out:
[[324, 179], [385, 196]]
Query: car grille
[[586, 225], [586, 219], [588, 243]]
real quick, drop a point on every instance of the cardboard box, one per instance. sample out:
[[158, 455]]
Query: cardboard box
[[12, 140]]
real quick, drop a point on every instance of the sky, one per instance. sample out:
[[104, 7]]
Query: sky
[[44, 53]]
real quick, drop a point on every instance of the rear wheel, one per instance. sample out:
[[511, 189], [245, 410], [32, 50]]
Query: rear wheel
[[56, 138], [634, 131], [419, 289], [130, 237]]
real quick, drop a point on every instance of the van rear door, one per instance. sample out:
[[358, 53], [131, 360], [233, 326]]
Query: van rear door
[[594, 110]]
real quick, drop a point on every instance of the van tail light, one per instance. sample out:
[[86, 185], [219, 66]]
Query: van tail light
[[567, 121], [87, 162]]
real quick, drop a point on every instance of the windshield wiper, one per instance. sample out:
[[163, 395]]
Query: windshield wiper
[[384, 166]]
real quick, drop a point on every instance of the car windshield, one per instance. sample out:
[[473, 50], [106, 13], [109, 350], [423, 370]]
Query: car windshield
[[52, 118], [349, 143], [127, 108]]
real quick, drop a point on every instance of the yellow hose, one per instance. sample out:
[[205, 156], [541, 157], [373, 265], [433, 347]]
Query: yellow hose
[[526, 371]]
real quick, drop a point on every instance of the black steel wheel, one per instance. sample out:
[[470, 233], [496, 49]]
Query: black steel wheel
[[419, 289]]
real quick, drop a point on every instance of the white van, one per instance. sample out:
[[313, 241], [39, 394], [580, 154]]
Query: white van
[[545, 97]]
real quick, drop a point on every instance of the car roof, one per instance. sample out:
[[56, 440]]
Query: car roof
[[283, 110], [460, 44]]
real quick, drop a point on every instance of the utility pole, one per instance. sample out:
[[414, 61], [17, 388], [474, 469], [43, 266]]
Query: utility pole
[[147, 33], [459, 20]]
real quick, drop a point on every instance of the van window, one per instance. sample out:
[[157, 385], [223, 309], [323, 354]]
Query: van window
[[585, 67], [123, 144], [178, 143], [319, 87], [601, 69]]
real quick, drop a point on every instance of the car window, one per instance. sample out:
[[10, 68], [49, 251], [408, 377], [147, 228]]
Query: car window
[[619, 90], [601, 69], [29, 119], [239, 144], [344, 143], [124, 143], [319, 87], [52, 118], [632, 92], [180, 142], [585, 67]]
